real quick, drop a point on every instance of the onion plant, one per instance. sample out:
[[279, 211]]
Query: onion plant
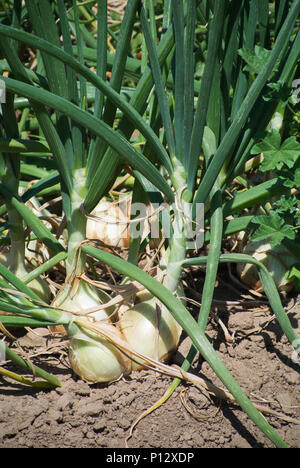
[[10, 165], [197, 110]]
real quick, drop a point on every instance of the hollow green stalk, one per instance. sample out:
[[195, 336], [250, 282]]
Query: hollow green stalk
[[177, 249], [49, 380], [176, 254], [76, 224], [16, 256], [216, 233]]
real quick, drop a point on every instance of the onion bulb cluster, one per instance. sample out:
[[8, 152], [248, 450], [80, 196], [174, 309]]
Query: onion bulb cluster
[[150, 330]]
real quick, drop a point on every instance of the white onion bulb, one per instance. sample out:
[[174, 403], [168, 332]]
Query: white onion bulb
[[91, 356], [277, 260], [86, 298], [152, 334], [111, 227], [94, 358]]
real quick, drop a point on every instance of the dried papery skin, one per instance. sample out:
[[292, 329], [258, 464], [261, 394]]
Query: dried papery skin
[[110, 224], [35, 254]]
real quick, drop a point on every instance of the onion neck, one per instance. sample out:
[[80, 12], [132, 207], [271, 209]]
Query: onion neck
[[16, 257], [76, 225], [176, 254], [177, 249]]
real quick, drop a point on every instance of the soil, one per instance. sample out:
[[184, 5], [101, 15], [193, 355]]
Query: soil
[[97, 416]]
